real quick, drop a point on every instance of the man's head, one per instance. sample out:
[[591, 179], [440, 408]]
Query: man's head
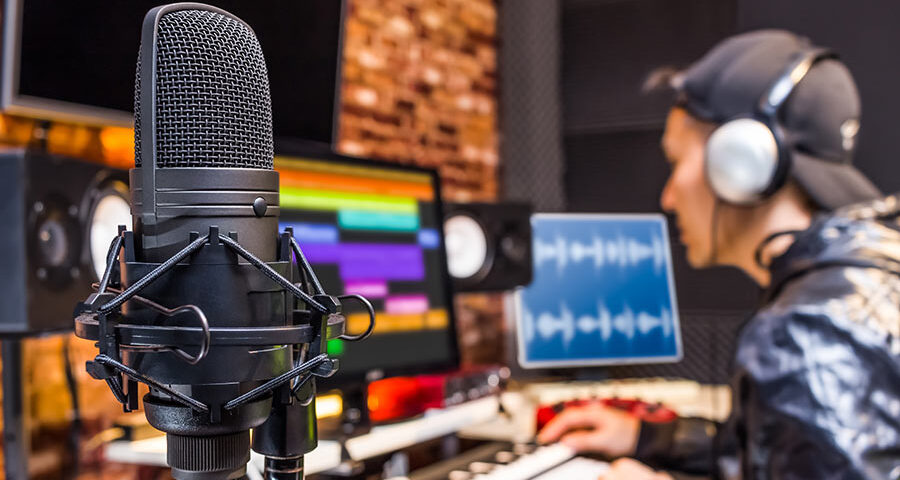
[[817, 124]]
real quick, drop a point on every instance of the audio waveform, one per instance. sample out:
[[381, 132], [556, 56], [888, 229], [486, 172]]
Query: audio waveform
[[619, 251], [547, 325]]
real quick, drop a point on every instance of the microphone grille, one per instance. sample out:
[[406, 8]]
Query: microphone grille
[[213, 107]]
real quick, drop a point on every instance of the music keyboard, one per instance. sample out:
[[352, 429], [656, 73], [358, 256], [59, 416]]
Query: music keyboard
[[503, 461]]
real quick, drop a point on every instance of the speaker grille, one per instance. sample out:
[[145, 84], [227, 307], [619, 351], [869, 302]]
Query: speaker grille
[[213, 107]]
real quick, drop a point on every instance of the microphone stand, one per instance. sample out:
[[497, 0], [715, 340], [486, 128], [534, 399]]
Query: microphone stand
[[288, 434], [291, 431], [15, 431]]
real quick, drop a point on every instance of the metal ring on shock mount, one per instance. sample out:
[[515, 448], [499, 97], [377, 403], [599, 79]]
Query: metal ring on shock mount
[[171, 312], [366, 303], [94, 321]]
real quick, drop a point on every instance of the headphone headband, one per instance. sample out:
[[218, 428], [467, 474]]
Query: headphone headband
[[785, 84]]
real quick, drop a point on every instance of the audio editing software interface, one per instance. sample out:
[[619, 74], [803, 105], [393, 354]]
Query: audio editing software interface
[[603, 292], [375, 231]]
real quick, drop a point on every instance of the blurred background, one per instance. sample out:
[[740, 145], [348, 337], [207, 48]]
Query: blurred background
[[510, 100]]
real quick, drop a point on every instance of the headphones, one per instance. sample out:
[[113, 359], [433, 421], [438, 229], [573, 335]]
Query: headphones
[[747, 157]]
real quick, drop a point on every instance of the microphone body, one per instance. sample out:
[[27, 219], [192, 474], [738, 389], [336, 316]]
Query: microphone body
[[203, 158], [205, 301]]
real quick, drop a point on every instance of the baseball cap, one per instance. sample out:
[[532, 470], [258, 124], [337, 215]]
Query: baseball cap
[[819, 121]]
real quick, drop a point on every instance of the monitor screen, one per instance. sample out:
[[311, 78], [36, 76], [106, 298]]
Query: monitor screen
[[603, 293], [375, 230], [76, 60]]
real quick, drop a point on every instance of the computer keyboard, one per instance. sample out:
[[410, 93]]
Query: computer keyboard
[[503, 461]]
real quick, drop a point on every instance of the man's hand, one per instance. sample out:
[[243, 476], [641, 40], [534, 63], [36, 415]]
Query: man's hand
[[628, 469], [595, 429]]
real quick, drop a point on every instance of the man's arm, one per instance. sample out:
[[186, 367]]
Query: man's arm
[[684, 445]]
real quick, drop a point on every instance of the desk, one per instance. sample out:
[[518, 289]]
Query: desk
[[433, 424], [479, 419], [152, 451], [380, 440]]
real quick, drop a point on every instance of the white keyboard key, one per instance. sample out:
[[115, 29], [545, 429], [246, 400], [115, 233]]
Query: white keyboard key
[[576, 468], [531, 465]]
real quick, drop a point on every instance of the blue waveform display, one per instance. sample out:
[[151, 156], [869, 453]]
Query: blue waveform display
[[602, 292], [618, 251]]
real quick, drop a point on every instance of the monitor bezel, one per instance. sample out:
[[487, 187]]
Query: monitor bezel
[[40, 108], [12, 102], [359, 379]]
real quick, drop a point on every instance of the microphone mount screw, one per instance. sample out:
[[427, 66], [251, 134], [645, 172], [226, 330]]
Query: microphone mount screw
[[260, 207]]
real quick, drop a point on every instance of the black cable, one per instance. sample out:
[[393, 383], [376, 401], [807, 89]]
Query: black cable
[[270, 385], [75, 426], [111, 255], [113, 382], [269, 272], [714, 234], [303, 263], [154, 274], [758, 252]]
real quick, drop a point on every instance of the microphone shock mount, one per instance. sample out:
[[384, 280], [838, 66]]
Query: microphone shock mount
[[212, 378]]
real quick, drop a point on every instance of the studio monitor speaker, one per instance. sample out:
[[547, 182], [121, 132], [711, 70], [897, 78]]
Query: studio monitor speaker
[[488, 245], [58, 216]]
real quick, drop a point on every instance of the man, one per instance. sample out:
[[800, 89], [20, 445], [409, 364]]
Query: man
[[816, 385]]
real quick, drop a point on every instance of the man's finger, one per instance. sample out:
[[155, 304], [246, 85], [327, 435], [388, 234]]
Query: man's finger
[[582, 442], [627, 468], [567, 420]]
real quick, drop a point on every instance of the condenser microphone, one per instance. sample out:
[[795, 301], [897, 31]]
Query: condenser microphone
[[204, 157], [203, 133], [205, 301]]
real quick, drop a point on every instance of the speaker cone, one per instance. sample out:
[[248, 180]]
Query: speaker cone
[[467, 246], [110, 210]]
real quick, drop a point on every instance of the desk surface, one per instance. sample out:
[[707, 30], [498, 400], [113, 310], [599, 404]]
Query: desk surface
[[477, 419], [433, 424], [152, 451], [380, 440]]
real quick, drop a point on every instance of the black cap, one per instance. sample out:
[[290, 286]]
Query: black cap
[[820, 120]]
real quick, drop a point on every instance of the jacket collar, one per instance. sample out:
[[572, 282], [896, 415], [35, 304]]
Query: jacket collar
[[865, 235]]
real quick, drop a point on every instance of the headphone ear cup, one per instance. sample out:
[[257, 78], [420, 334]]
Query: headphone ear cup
[[742, 159]]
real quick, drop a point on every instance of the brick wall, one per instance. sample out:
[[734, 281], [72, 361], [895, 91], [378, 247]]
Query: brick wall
[[419, 87]]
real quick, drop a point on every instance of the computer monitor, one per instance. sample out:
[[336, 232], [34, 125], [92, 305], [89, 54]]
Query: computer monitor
[[375, 229], [75, 61], [602, 294]]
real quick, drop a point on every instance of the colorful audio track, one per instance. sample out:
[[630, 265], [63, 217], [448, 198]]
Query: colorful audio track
[[367, 227], [602, 292]]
